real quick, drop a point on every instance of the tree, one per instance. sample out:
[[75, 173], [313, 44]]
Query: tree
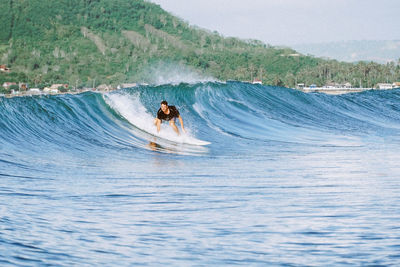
[[41, 86], [4, 90], [14, 87], [52, 46], [278, 82], [62, 89]]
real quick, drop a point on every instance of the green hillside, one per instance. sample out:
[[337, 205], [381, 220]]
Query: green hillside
[[79, 41]]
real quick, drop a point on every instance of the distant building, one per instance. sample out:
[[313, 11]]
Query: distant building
[[23, 86], [34, 91], [8, 84], [58, 85], [333, 85], [257, 81], [4, 68], [396, 84], [384, 86], [300, 86], [104, 87], [347, 85], [50, 90]]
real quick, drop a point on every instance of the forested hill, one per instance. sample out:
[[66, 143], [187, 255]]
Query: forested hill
[[82, 41]]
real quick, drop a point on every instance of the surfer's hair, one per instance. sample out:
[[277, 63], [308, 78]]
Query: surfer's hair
[[164, 103]]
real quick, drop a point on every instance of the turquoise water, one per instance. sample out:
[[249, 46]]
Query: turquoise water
[[287, 179]]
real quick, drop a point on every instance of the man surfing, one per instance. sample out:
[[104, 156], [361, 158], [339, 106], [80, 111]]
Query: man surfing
[[168, 113]]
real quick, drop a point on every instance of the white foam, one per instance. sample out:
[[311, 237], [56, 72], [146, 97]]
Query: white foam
[[168, 73], [130, 107]]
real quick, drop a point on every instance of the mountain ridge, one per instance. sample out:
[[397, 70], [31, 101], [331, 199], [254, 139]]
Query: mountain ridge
[[98, 41], [380, 51]]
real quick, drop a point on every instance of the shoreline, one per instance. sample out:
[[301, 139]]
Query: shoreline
[[335, 91], [329, 91], [23, 94]]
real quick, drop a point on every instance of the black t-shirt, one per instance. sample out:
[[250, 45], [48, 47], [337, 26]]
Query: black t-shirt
[[173, 113]]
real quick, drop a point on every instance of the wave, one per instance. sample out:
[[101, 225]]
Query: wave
[[230, 116]]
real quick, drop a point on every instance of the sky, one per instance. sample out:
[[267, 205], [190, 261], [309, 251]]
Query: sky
[[290, 22]]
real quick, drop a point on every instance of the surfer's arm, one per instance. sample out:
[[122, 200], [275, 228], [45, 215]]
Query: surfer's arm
[[181, 122]]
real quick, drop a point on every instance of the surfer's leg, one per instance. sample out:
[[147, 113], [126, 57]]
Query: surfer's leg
[[172, 123], [157, 122]]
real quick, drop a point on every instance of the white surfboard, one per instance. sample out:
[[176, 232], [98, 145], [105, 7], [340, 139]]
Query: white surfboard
[[181, 139]]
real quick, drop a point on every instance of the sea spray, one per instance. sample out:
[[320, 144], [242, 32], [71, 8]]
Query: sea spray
[[163, 73], [131, 108]]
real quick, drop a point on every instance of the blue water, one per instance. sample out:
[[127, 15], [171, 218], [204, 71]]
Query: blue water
[[289, 179]]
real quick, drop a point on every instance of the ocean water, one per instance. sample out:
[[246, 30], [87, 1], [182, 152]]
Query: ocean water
[[287, 179]]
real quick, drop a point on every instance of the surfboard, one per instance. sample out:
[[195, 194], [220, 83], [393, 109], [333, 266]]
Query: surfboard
[[179, 139]]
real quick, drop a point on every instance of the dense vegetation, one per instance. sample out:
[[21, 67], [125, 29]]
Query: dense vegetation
[[101, 41]]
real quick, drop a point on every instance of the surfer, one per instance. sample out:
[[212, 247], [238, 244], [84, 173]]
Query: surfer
[[168, 113]]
